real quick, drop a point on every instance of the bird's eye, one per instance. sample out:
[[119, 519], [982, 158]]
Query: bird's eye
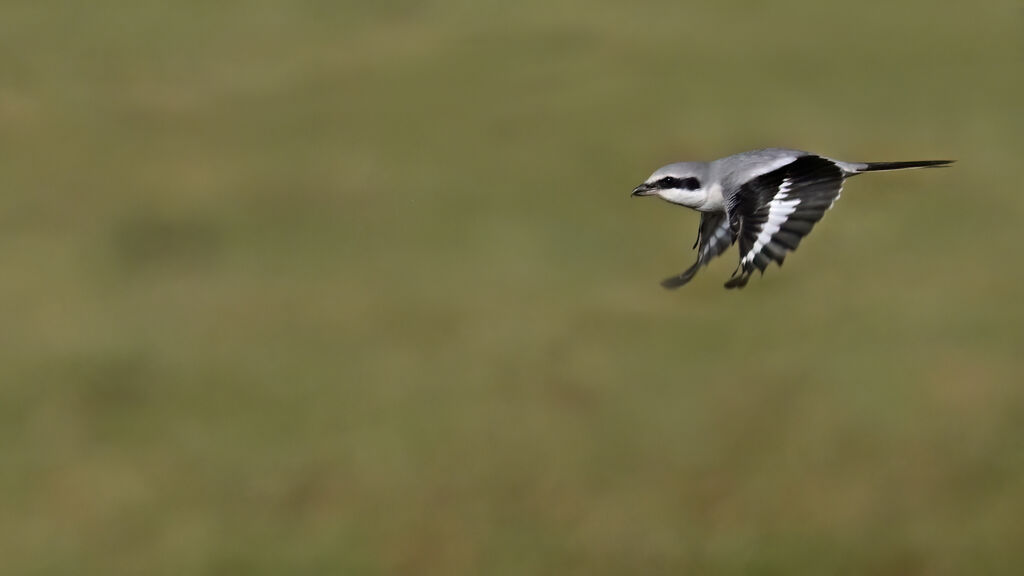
[[679, 183]]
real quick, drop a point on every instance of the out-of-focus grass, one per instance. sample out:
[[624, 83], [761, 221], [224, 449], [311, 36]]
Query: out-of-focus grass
[[313, 287]]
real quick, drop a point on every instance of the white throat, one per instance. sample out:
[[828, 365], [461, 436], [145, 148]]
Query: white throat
[[690, 198]]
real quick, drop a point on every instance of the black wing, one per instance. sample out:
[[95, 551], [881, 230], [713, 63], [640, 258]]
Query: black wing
[[776, 210], [713, 237]]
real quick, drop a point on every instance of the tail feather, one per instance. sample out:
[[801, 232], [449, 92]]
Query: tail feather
[[879, 166]]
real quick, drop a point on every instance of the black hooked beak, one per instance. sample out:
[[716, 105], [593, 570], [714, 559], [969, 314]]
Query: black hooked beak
[[644, 189]]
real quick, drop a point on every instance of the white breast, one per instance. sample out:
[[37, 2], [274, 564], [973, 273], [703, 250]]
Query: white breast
[[714, 201]]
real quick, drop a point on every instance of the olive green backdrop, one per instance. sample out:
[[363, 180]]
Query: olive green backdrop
[[336, 288]]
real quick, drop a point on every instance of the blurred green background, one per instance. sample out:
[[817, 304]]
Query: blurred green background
[[337, 288]]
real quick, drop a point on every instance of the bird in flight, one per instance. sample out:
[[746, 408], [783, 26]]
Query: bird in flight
[[767, 200]]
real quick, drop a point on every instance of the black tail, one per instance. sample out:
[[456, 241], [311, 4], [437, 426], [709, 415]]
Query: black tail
[[878, 166]]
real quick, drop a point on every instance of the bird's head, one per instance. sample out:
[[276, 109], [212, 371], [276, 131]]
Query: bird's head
[[681, 183]]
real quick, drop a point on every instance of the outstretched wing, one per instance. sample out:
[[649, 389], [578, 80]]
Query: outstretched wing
[[776, 210], [713, 237]]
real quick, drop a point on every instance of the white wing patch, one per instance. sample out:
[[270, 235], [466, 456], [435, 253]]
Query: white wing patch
[[779, 209]]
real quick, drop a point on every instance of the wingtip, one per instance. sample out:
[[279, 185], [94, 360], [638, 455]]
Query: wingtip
[[673, 282], [737, 282]]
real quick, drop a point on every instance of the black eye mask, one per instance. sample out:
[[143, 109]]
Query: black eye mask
[[680, 183]]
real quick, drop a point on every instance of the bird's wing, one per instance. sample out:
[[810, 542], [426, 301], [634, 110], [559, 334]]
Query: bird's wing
[[776, 210], [713, 237]]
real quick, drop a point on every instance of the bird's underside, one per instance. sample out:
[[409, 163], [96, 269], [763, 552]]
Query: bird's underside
[[770, 214]]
